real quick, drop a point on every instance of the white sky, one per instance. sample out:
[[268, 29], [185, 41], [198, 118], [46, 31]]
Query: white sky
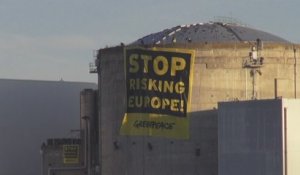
[[54, 39]]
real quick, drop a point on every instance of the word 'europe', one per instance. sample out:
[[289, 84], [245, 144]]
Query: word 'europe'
[[157, 81]]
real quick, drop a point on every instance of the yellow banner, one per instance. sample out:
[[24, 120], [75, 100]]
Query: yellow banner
[[71, 154], [158, 83]]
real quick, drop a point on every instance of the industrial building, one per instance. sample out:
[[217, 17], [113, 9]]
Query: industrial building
[[63, 156], [191, 100], [75, 156], [231, 63]]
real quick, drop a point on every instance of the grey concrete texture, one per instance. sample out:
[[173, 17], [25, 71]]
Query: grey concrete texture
[[220, 74], [146, 155]]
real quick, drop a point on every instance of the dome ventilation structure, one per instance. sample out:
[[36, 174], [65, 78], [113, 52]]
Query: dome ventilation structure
[[207, 33]]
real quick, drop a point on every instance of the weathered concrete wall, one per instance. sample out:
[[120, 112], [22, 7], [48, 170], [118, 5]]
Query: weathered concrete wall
[[223, 76], [111, 110], [219, 75]]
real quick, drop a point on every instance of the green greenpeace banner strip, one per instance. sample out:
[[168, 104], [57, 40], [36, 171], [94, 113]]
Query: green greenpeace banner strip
[[158, 83]]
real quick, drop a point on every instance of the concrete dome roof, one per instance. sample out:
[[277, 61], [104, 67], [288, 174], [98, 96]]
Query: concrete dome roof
[[207, 32]]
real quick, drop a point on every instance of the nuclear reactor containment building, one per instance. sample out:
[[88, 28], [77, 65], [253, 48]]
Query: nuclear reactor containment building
[[158, 96]]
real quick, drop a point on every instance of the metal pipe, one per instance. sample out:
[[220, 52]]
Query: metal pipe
[[295, 71], [253, 72], [88, 150], [246, 88], [87, 144], [285, 141], [99, 113], [42, 159], [275, 87]]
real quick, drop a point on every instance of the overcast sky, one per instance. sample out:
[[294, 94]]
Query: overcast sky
[[54, 39]]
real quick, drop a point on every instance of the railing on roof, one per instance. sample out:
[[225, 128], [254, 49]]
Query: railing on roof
[[228, 20]]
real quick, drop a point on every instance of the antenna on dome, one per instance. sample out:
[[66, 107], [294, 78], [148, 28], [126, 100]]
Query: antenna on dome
[[228, 20]]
